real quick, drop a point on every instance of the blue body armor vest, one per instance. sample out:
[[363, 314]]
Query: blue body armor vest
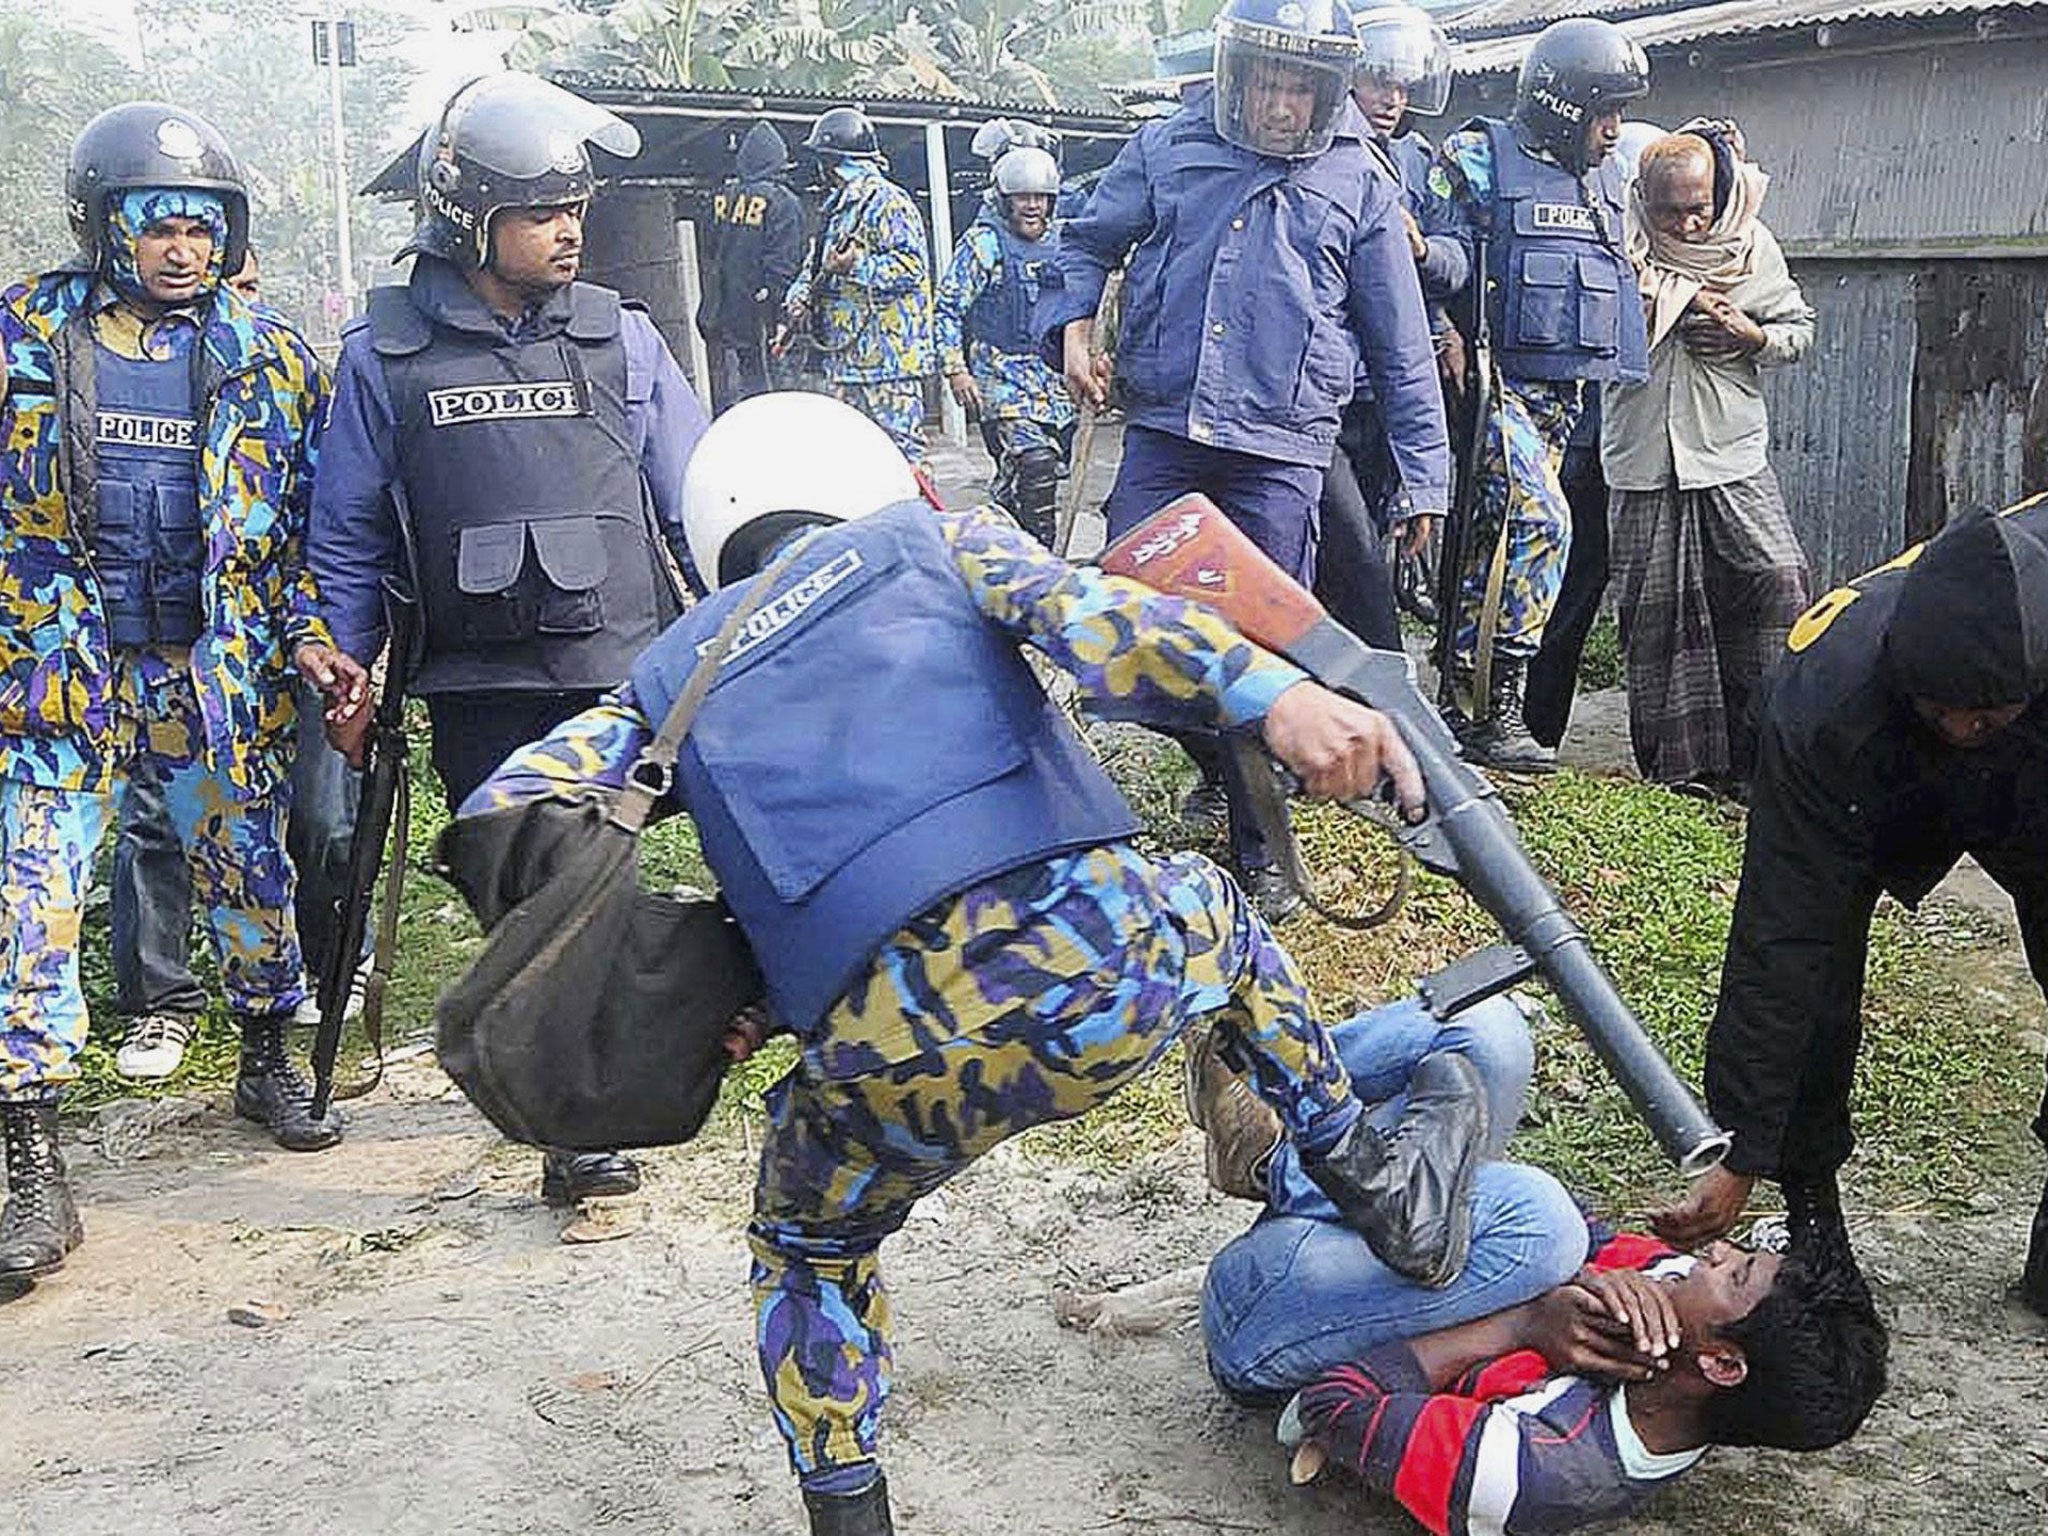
[[1001, 316], [538, 566], [147, 542], [1567, 305], [873, 746]]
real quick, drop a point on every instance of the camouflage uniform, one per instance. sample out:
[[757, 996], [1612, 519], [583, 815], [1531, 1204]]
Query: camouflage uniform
[[214, 725], [1015, 387], [874, 324], [1031, 997], [1523, 456]]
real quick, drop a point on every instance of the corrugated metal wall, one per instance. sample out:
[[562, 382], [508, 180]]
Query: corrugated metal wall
[[1942, 142], [1841, 417], [1909, 408], [1939, 145]]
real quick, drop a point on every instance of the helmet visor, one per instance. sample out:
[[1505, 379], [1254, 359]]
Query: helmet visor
[[1277, 92], [1409, 54], [523, 129]]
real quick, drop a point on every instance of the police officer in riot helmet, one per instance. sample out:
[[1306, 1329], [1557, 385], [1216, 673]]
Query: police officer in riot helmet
[[843, 131], [1568, 97], [160, 434], [1244, 320], [1562, 313], [1403, 72], [982, 320], [865, 291], [514, 440], [1283, 68]]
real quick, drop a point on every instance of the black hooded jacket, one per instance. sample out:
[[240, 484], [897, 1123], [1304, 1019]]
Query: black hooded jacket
[[1854, 795], [756, 245]]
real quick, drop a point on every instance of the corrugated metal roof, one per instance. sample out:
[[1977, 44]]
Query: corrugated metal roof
[[1494, 18], [613, 84], [1484, 50]]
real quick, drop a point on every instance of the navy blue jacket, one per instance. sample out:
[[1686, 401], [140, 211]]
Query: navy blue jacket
[[1255, 286], [352, 540], [1446, 268]]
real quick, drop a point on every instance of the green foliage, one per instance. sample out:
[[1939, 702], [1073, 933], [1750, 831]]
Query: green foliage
[[1027, 52], [1600, 664], [1651, 877], [53, 80]]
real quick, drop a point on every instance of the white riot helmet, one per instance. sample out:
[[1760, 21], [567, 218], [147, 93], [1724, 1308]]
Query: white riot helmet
[[1025, 170], [778, 463], [1400, 46]]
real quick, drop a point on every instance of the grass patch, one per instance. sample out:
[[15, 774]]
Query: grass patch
[[1601, 662], [1650, 875]]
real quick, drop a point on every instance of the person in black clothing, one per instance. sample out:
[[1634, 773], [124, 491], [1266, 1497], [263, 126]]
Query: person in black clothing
[[1554, 671], [1906, 726], [757, 245]]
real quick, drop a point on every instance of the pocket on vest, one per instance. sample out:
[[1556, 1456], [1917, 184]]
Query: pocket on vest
[[573, 566], [1542, 297], [507, 597], [1599, 304]]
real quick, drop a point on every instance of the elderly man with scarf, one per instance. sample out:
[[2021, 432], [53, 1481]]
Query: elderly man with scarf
[[158, 442], [1709, 573]]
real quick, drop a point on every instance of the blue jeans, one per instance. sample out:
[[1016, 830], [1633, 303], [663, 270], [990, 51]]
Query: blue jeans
[[1300, 1292], [152, 894]]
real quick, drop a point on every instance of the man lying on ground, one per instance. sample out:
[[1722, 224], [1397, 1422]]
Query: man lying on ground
[[1560, 1378], [1577, 1406]]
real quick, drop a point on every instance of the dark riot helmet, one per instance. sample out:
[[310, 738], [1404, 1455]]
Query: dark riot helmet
[[844, 133], [509, 140], [1576, 70], [1300, 52], [151, 144]]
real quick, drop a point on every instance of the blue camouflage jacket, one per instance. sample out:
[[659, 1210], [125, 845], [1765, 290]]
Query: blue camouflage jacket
[[59, 727], [875, 321], [1255, 286], [1015, 386]]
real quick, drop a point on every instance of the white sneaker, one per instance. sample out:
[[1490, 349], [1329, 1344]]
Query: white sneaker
[[308, 1012], [154, 1046]]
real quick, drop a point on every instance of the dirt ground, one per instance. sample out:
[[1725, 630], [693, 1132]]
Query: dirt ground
[[444, 1364]]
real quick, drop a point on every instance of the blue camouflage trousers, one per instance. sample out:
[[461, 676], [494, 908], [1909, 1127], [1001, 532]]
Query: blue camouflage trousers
[[1031, 998], [894, 405], [1521, 467], [50, 837]]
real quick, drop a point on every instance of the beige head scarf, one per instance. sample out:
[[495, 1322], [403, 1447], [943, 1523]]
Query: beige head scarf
[[1673, 271]]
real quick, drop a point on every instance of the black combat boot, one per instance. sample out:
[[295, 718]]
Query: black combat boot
[[1502, 739], [1272, 893], [2034, 1278], [852, 1514], [40, 1224], [1814, 1226], [269, 1090], [567, 1177], [1408, 1191]]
